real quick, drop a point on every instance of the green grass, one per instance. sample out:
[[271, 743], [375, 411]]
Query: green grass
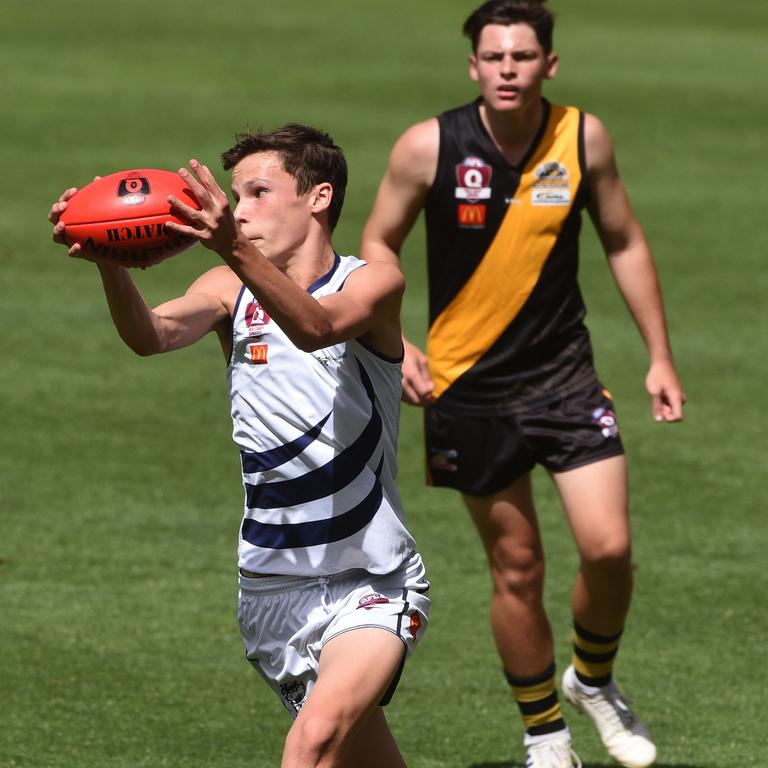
[[119, 488]]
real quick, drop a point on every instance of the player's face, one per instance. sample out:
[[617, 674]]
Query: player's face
[[510, 66], [268, 210]]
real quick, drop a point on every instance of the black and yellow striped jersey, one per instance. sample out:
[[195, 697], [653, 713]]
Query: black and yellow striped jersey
[[505, 310]]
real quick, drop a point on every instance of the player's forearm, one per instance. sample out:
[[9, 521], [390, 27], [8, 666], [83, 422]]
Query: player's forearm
[[638, 282], [300, 316], [131, 316]]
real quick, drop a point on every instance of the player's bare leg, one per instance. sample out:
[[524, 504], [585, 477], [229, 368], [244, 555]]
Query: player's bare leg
[[341, 724], [509, 530], [373, 745], [508, 527], [595, 501]]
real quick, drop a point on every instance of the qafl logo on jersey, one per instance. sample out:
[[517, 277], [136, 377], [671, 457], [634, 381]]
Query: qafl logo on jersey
[[551, 186], [473, 179], [256, 319]]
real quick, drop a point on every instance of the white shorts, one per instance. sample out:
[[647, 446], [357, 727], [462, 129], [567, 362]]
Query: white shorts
[[286, 620]]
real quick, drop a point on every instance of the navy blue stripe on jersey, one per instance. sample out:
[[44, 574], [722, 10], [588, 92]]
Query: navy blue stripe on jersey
[[315, 532], [274, 457], [321, 281], [332, 477]]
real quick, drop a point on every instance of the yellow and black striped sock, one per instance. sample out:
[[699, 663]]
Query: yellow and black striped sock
[[593, 656], [538, 702]]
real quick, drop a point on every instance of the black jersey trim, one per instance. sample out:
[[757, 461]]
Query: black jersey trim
[[585, 189], [520, 166], [232, 329]]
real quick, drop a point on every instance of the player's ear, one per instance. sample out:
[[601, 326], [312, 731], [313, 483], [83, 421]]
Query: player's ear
[[473, 67], [553, 60], [321, 196]]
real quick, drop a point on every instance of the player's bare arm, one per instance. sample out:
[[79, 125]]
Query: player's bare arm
[[368, 306], [409, 175], [410, 172], [633, 268], [205, 306]]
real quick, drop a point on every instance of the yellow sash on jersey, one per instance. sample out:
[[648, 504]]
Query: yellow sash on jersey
[[497, 290]]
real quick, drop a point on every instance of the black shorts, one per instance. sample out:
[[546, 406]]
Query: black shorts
[[482, 455]]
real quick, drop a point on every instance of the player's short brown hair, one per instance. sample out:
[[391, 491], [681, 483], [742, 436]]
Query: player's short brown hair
[[535, 13], [307, 154]]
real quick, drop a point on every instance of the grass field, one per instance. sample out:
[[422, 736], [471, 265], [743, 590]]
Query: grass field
[[120, 494]]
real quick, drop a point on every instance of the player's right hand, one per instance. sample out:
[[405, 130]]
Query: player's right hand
[[55, 214], [58, 227], [417, 383]]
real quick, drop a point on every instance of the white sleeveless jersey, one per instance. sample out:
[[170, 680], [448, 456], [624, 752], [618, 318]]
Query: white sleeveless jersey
[[317, 433]]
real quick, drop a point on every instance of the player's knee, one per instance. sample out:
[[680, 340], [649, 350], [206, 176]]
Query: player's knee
[[518, 569], [313, 741], [609, 552]]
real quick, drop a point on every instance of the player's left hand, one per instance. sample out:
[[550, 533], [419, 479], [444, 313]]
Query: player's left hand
[[667, 395], [214, 224]]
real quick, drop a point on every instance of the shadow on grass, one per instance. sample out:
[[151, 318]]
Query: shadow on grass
[[506, 764]]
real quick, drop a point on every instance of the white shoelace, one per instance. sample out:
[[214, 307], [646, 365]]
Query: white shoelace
[[614, 708], [554, 752]]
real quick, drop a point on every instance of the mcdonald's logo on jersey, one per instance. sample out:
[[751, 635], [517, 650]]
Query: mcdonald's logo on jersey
[[472, 215], [258, 353]]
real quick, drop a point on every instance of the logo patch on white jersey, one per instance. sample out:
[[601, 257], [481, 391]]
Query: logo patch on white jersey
[[256, 319], [473, 177], [551, 186], [257, 353]]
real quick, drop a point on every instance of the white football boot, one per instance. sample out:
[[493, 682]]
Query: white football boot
[[551, 751], [623, 733]]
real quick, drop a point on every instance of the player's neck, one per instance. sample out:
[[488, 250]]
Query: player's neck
[[513, 132], [307, 265]]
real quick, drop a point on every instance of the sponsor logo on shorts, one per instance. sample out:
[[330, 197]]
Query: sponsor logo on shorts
[[294, 692], [471, 216], [368, 601], [444, 459], [605, 420], [415, 625]]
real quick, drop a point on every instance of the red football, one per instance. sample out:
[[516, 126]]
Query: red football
[[121, 218]]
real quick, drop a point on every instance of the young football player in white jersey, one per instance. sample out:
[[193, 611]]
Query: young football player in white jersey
[[332, 590]]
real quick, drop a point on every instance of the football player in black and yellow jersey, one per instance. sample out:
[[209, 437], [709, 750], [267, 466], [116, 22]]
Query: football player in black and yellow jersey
[[508, 380]]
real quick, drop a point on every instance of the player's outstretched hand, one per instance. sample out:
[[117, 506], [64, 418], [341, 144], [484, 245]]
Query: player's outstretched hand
[[55, 214], [214, 224], [667, 395], [417, 383]]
